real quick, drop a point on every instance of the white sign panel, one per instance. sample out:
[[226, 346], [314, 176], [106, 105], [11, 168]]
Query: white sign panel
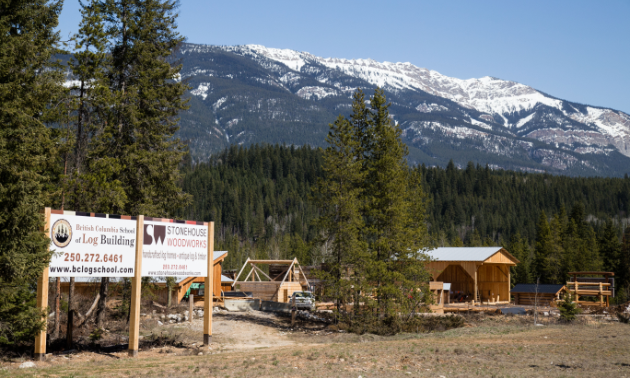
[[92, 247], [174, 249]]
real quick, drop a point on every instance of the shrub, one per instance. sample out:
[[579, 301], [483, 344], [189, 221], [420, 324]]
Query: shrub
[[96, 334], [568, 309]]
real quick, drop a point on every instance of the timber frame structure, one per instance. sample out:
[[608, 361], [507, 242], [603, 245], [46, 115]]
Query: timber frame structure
[[277, 289], [481, 273], [591, 288]]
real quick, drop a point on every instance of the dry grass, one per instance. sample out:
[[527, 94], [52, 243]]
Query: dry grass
[[490, 347]]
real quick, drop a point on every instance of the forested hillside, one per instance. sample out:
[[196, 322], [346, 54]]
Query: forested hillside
[[498, 204], [260, 198]]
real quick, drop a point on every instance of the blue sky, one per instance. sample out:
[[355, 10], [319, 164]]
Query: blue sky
[[574, 50]]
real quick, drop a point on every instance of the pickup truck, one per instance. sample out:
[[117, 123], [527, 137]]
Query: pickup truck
[[303, 300]]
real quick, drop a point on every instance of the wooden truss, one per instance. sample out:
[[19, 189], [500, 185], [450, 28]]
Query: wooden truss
[[293, 272]]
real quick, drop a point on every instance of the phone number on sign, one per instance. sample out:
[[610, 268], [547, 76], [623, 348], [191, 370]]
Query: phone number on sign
[[93, 257], [174, 267]]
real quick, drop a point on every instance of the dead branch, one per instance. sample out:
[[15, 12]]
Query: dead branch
[[83, 319]]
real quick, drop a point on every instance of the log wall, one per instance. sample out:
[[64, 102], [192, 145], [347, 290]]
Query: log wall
[[270, 290], [528, 299]]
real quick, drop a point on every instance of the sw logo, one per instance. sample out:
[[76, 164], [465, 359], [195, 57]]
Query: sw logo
[[154, 233], [61, 233]]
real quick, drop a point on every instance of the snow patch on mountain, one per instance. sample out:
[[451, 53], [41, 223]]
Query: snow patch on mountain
[[523, 121], [290, 78], [219, 102], [480, 124], [458, 132], [615, 124], [428, 108], [593, 150], [290, 58], [198, 72], [202, 90], [316, 92]]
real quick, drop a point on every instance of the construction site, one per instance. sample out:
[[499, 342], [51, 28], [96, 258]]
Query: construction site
[[475, 319]]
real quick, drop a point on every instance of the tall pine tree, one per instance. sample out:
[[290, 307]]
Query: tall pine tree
[[609, 246], [543, 249], [519, 248], [338, 196], [28, 89], [138, 137], [395, 225]]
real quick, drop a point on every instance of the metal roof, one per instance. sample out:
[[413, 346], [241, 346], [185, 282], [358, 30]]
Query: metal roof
[[463, 253], [218, 254], [542, 289]]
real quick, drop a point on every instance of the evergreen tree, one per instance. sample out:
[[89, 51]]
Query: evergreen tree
[[29, 86], [393, 231], [338, 198], [475, 239], [568, 308], [543, 249], [457, 242], [556, 263], [88, 185], [609, 246], [519, 248], [138, 137]]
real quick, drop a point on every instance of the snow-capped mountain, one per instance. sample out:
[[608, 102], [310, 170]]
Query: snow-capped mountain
[[254, 94]]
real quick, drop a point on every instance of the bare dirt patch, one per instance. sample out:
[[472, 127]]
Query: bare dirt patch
[[264, 345]]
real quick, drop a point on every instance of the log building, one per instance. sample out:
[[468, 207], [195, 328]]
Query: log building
[[480, 273]]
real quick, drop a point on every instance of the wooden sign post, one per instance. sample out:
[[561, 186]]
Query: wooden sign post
[[209, 289], [136, 285], [42, 301], [191, 306]]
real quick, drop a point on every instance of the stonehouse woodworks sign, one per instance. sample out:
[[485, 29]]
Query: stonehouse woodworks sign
[[174, 249]]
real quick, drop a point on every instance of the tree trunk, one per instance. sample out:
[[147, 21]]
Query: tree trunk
[[102, 303], [70, 328], [57, 307], [170, 296], [70, 312]]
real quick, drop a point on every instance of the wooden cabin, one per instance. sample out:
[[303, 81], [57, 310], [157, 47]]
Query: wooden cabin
[[89, 286], [544, 295], [482, 273], [278, 286]]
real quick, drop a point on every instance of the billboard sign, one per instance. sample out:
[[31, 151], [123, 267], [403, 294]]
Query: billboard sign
[[91, 246], [174, 249]]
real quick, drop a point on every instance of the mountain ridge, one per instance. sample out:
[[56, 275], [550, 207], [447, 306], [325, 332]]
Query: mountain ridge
[[287, 96]]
